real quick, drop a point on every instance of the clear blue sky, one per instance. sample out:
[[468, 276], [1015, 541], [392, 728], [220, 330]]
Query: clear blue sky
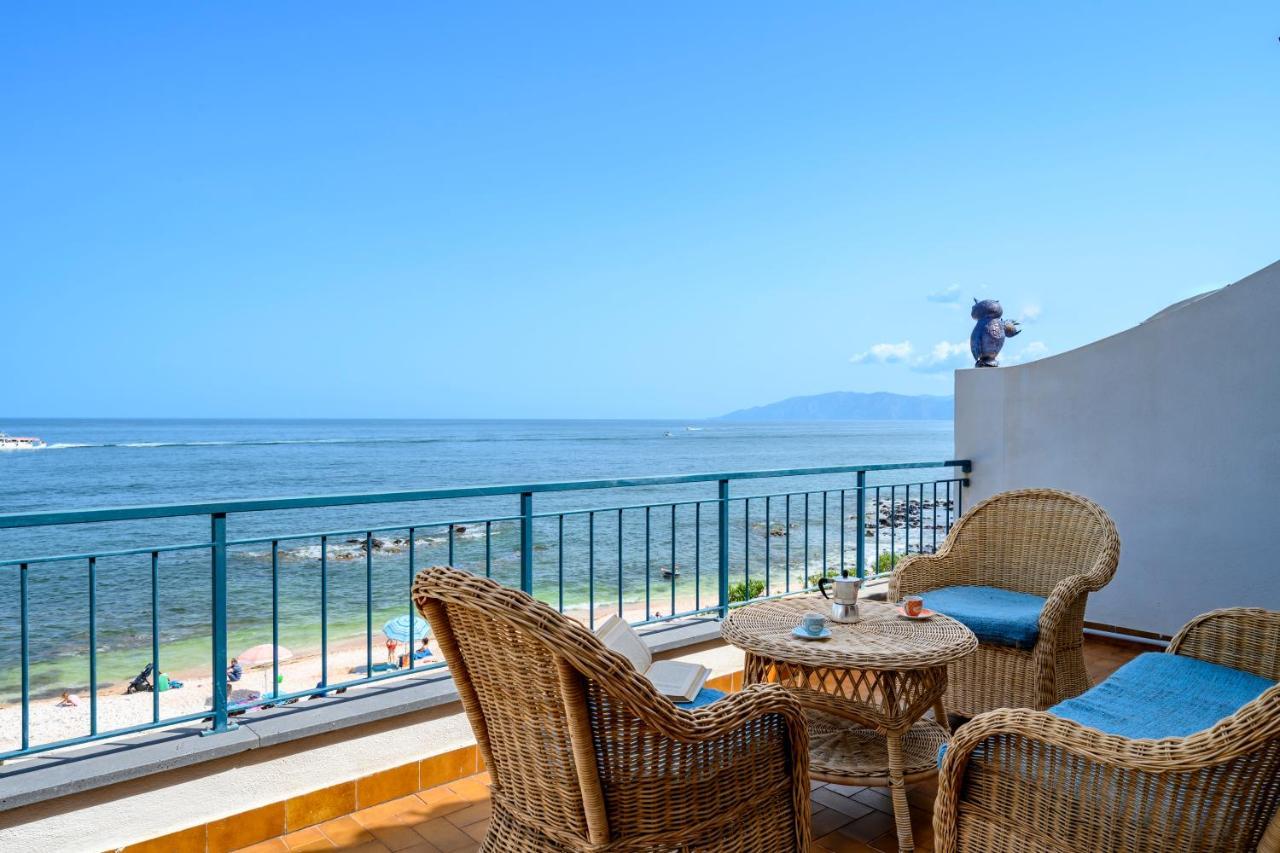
[[604, 210]]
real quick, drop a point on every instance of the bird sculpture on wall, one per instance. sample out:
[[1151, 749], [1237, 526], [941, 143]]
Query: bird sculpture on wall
[[990, 331]]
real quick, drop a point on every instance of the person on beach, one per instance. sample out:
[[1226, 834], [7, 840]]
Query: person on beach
[[391, 651], [234, 674], [68, 700]]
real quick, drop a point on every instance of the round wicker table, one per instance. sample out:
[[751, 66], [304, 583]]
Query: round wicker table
[[866, 689]]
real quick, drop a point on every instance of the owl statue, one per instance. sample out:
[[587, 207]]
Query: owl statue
[[989, 333]]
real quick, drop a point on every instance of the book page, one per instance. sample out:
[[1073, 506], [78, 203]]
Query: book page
[[616, 634], [678, 680]]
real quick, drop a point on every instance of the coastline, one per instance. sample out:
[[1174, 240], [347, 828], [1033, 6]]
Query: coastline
[[347, 659]]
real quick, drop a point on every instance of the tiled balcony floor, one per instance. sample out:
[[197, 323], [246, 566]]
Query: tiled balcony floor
[[453, 818]]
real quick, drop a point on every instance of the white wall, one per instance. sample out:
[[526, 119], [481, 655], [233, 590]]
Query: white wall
[[1172, 426]]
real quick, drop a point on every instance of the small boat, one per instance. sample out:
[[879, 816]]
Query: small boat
[[667, 572], [20, 442], [666, 435], [693, 429]]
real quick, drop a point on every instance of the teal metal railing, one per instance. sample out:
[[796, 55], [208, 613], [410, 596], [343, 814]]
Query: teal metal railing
[[887, 522]]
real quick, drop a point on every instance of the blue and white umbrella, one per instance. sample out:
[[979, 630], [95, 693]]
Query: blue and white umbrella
[[398, 629]]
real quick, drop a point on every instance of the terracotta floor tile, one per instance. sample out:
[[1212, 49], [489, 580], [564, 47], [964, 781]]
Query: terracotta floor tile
[[397, 837], [345, 832], [878, 798], [310, 838], [477, 830], [827, 821], [444, 835], [471, 814], [845, 805], [837, 843], [470, 790], [441, 802], [869, 827], [271, 845]]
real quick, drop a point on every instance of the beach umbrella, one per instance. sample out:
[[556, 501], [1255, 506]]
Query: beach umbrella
[[398, 629], [261, 655]]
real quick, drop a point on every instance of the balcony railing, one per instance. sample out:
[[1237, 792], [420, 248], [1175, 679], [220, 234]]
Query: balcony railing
[[710, 553]]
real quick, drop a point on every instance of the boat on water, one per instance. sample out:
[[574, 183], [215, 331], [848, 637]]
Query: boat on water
[[20, 442]]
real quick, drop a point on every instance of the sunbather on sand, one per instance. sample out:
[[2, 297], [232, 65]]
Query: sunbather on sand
[[68, 700]]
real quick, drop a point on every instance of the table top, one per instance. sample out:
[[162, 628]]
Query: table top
[[880, 640]]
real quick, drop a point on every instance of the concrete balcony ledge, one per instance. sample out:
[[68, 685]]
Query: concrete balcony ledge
[[48, 776]]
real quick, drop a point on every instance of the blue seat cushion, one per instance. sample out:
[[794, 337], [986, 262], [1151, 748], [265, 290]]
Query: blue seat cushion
[[999, 617], [1159, 695], [705, 696]]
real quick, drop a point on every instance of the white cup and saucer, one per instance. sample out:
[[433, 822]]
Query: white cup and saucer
[[813, 626]]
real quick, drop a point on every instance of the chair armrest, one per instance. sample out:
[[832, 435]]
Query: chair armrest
[[1246, 638], [1020, 754], [919, 573]]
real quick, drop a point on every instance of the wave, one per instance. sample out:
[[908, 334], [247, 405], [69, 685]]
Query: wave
[[251, 442]]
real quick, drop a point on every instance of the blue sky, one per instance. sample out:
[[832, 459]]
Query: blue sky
[[604, 210]]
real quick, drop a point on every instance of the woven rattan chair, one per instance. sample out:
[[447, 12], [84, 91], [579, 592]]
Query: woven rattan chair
[[585, 755], [1022, 780], [1041, 542]]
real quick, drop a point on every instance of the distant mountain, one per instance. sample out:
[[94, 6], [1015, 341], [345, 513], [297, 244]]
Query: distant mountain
[[851, 406]]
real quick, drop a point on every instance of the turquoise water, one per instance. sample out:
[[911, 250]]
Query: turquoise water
[[97, 463]]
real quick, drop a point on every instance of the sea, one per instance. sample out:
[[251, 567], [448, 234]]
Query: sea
[[611, 555]]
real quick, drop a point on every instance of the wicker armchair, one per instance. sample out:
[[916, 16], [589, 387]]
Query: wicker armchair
[[1037, 541], [585, 755], [1022, 780]]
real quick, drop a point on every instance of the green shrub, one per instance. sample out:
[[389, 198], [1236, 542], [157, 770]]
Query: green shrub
[[739, 591]]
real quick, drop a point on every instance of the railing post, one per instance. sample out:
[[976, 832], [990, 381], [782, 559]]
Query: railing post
[[862, 525], [526, 542], [218, 524], [724, 548]]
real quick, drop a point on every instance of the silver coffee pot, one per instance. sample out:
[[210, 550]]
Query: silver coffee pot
[[844, 596]]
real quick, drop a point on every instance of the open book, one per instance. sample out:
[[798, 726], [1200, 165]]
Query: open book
[[679, 681]]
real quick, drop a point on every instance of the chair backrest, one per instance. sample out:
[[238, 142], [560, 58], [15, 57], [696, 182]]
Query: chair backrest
[[522, 671], [1028, 540]]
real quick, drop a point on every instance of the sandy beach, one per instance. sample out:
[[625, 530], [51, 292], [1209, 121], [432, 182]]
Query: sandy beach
[[347, 660]]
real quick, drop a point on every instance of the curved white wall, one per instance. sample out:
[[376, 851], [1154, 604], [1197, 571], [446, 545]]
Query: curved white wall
[[1174, 427]]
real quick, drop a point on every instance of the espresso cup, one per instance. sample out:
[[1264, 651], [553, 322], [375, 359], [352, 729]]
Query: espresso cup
[[813, 623], [913, 605]]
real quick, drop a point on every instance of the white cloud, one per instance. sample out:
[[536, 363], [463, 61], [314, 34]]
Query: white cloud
[[1030, 352], [885, 354], [1030, 313], [947, 294], [943, 355]]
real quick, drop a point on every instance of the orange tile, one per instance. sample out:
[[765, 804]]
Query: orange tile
[[245, 828], [183, 841], [477, 830], [345, 832], [440, 802], [483, 778], [319, 806], [447, 766], [721, 682], [444, 835], [397, 837], [735, 682], [271, 845], [387, 785], [470, 790], [310, 838], [471, 814]]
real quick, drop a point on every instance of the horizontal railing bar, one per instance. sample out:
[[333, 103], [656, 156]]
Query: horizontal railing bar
[[62, 558], [46, 518]]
